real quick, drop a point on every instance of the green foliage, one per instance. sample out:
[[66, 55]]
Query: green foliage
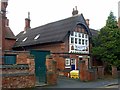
[[107, 45], [111, 21]]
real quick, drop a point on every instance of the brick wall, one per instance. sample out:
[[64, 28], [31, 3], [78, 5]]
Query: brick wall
[[21, 74], [9, 44], [114, 72], [26, 81], [17, 76], [55, 47]]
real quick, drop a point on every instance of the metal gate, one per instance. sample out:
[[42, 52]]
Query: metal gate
[[40, 67]]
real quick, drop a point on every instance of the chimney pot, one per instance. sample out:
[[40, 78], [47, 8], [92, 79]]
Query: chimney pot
[[87, 22], [75, 12], [27, 22]]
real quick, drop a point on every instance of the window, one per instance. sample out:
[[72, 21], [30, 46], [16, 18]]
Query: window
[[79, 41], [24, 39], [86, 42], [17, 39], [82, 42], [72, 40], [85, 35], [36, 37], [82, 35], [72, 61], [79, 35], [24, 32], [67, 61], [72, 33], [10, 59], [75, 34], [75, 40]]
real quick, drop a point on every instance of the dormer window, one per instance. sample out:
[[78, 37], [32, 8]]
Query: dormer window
[[24, 32], [24, 39], [17, 39], [36, 37]]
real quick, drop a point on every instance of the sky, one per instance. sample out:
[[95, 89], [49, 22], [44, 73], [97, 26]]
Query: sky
[[47, 11]]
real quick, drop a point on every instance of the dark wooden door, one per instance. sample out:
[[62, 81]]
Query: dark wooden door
[[40, 67]]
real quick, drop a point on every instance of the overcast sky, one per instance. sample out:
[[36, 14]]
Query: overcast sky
[[46, 11]]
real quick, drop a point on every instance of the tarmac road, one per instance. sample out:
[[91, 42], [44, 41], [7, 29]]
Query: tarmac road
[[76, 83]]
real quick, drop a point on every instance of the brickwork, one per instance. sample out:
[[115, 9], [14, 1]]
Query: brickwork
[[22, 57], [9, 44], [82, 72], [100, 71], [114, 72], [26, 81], [31, 64], [51, 71], [60, 62], [21, 74], [119, 22], [85, 73]]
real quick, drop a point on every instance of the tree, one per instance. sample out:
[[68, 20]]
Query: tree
[[106, 46]]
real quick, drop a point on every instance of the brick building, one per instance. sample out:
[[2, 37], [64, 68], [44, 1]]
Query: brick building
[[7, 39], [69, 40], [15, 67]]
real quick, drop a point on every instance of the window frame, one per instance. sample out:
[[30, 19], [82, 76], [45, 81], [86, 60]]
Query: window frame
[[67, 62]]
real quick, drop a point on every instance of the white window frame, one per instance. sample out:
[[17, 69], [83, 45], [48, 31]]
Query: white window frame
[[24, 39], [67, 61], [83, 42], [71, 40], [36, 37]]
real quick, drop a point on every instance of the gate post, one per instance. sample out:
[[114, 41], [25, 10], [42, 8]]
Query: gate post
[[83, 71], [51, 66], [100, 72], [114, 72]]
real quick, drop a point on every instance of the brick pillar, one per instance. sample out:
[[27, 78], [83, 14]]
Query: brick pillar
[[91, 74], [83, 72], [31, 64], [114, 72], [100, 72], [51, 71], [95, 72]]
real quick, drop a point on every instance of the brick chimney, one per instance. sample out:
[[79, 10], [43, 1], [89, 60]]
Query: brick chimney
[[3, 6], [87, 22], [27, 22], [119, 14], [7, 22], [75, 11]]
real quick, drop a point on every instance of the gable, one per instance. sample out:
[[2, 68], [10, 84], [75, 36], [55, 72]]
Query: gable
[[9, 34], [50, 33]]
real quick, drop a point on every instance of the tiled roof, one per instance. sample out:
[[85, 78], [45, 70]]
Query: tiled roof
[[94, 32], [50, 33], [9, 34]]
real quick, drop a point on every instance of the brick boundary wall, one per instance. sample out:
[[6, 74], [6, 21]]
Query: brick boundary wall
[[22, 81], [17, 76], [21, 74]]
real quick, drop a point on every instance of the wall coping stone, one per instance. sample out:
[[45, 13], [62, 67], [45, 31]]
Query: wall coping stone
[[16, 74]]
